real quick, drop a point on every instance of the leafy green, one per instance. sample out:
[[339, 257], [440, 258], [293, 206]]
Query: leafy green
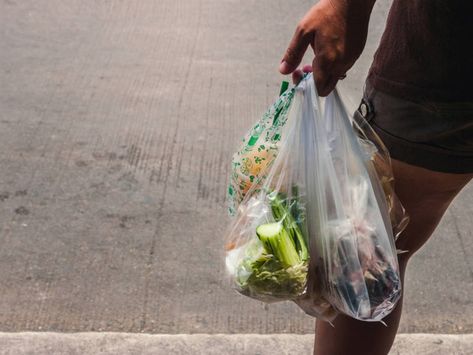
[[266, 276]]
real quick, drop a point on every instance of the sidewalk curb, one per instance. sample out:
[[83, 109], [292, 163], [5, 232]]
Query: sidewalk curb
[[222, 344]]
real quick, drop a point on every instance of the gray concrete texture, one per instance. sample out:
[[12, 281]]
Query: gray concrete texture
[[206, 344], [117, 123]]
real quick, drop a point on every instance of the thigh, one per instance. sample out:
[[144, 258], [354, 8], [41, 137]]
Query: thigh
[[426, 195]]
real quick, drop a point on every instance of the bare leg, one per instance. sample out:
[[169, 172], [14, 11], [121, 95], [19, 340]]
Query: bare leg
[[426, 195]]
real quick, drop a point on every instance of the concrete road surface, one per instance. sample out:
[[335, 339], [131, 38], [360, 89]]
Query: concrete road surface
[[103, 343], [117, 123]]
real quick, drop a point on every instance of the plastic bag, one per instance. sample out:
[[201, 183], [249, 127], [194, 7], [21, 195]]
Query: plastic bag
[[353, 236], [312, 223], [268, 245]]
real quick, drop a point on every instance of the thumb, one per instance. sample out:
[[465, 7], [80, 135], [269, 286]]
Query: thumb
[[295, 52]]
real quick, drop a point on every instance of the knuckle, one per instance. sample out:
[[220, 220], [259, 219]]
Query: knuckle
[[333, 55], [303, 29], [329, 58], [291, 54]]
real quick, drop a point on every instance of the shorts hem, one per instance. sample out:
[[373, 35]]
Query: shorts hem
[[426, 157]]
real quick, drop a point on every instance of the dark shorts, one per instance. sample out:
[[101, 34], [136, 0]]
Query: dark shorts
[[436, 136]]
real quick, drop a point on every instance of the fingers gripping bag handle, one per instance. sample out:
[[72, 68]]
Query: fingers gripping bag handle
[[354, 241], [268, 245]]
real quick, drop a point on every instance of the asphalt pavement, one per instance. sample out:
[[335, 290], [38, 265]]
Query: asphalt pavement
[[118, 120]]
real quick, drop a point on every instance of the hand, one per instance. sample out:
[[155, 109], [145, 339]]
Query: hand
[[336, 30]]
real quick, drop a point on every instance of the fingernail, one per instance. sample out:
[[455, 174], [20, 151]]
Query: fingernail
[[284, 67]]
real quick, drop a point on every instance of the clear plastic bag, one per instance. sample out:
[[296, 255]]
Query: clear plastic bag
[[311, 219], [268, 244], [353, 235]]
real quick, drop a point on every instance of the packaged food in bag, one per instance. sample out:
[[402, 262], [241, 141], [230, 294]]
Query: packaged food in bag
[[311, 219]]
